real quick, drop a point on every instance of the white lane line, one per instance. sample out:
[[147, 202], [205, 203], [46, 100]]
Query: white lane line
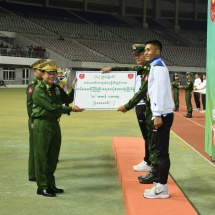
[[213, 164], [190, 119]]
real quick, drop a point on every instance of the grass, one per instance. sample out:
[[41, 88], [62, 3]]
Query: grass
[[87, 168]]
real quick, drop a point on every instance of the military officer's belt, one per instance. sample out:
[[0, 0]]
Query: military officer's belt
[[51, 119]]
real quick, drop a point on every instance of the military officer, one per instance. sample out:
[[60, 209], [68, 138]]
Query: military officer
[[29, 104], [188, 94], [48, 106], [175, 85], [143, 115]]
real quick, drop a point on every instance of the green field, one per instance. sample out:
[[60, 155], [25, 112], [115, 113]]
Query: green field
[[87, 168]]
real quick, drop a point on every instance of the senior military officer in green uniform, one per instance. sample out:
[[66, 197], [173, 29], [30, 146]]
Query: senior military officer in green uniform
[[29, 91], [188, 95], [175, 85], [48, 106], [138, 49]]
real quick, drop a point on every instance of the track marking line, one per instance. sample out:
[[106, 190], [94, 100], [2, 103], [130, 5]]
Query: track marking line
[[193, 149], [190, 120]]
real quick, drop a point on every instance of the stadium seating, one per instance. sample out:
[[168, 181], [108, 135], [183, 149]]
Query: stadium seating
[[69, 49], [137, 35], [195, 38], [97, 37]]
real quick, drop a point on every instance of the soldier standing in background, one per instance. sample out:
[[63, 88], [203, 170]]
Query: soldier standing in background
[[188, 95], [175, 85], [29, 91]]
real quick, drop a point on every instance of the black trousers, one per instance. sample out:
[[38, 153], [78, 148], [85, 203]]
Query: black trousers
[[140, 113], [204, 101], [197, 99], [161, 138]]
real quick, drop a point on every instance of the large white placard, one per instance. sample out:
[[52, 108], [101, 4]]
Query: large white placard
[[108, 91]]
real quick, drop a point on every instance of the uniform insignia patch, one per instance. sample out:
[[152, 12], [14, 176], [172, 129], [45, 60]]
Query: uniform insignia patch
[[42, 85], [30, 90]]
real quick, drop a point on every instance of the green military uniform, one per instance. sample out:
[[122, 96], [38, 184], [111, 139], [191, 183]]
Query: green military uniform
[[29, 92], [152, 153], [47, 109], [143, 71], [142, 94], [29, 104], [175, 85], [188, 95]]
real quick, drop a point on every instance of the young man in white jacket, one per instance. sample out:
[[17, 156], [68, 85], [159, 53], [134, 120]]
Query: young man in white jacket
[[160, 95]]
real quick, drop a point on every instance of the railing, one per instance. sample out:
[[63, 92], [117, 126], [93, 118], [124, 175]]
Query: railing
[[18, 81], [20, 53]]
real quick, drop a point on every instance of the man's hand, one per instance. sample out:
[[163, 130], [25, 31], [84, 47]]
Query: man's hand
[[158, 122], [74, 83], [122, 109], [105, 70], [75, 108]]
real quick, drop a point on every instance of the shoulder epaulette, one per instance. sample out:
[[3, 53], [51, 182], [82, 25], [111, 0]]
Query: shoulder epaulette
[[32, 83], [42, 85], [146, 67]]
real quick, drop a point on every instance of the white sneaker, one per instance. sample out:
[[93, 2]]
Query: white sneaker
[[158, 191], [142, 167], [197, 109], [140, 164], [202, 111]]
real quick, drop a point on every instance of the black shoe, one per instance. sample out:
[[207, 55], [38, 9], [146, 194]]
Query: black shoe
[[46, 192], [32, 179], [176, 109], [56, 190], [188, 115], [153, 171], [143, 177], [149, 179]]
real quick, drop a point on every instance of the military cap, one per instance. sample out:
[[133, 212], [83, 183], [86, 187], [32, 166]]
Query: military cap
[[138, 48], [188, 73], [36, 65], [176, 75], [49, 66]]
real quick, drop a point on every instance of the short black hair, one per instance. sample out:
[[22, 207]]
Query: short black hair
[[155, 43]]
